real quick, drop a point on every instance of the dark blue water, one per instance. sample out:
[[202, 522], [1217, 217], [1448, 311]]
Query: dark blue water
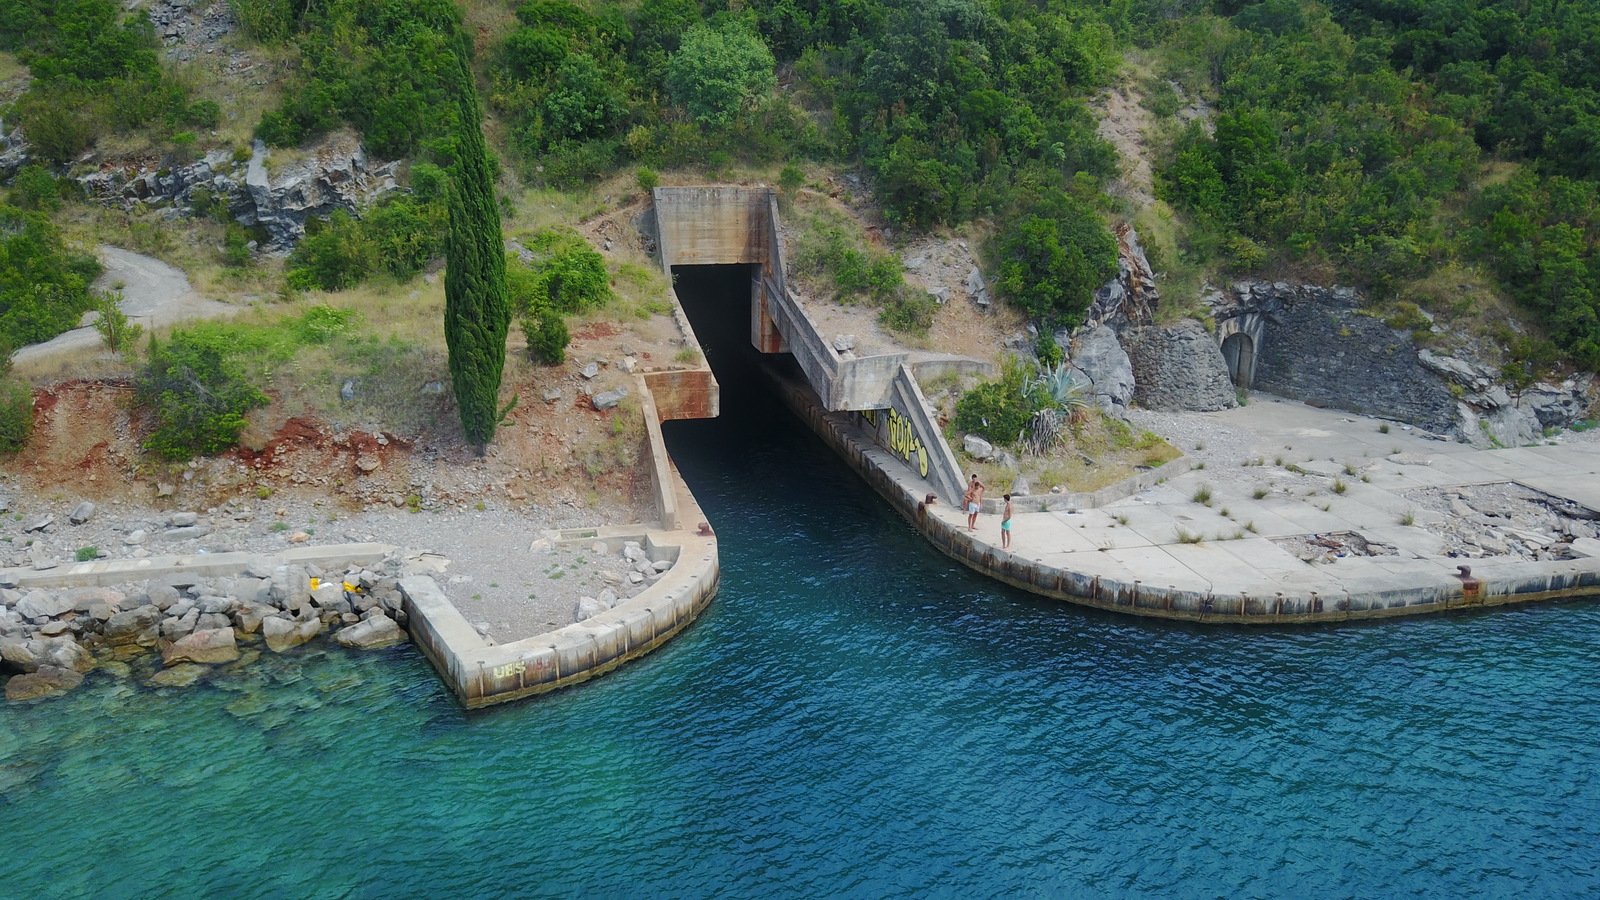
[[854, 716]]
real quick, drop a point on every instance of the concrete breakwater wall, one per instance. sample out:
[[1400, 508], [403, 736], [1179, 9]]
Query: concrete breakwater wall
[[481, 674], [1420, 590]]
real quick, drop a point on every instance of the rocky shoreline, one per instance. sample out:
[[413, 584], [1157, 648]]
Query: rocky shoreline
[[183, 624]]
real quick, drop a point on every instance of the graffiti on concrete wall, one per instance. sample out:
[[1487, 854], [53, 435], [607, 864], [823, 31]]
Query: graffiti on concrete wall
[[896, 432]]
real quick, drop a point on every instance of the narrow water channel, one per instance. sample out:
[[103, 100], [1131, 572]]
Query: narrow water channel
[[854, 716]]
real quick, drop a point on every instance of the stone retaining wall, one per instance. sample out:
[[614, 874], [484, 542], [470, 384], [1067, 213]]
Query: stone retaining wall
[[1428, 590]]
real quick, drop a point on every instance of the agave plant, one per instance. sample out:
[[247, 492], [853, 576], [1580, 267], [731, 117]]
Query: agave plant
[[1064, 390], [1062, 399]]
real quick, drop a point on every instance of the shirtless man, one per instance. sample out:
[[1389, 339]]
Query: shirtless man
[[1005, 525], [973, 501]]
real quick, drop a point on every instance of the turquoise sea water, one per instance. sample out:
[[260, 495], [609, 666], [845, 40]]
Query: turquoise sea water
[[854, 716]]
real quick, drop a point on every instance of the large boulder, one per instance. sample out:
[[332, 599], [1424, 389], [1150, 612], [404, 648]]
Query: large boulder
[[291, 587], [286, 634], [126, 627], [249, 617], [63, 652], [48, 681], [47, 604], [378, 631], [1179, 367], [1097, 358], [216, 645], [21, 655]]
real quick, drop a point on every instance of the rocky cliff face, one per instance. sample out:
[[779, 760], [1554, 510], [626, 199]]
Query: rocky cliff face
[[1316, 344], [333, 174]]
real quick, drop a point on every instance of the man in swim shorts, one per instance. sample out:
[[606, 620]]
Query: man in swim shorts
[[973, 501], [1005, 525]]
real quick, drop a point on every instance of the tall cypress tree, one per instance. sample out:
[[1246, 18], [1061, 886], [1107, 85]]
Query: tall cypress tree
[[476, 312]]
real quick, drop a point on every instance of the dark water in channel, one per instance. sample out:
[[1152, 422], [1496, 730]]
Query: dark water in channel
[[854, 715]]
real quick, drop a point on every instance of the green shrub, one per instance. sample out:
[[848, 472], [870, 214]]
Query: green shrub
[[1047, 350], [236, 247], [335, 254], [116, 332], [86, 554], [999, 410], [648, 179], [718, 71], [564, 274], [197, 394], [35, 188], [1052, 262], [547, 336], [909, 312], [43, 286], [16, 413], [203, 114]]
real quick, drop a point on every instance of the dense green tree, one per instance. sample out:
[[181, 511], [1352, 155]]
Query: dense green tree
[[476, 315], [1052, 261], [719, 71], [44, 287]]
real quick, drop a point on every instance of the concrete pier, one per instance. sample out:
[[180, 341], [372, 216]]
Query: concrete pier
[[1127, 551]]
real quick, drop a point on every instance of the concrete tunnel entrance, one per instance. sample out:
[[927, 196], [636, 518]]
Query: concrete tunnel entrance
[[716, 298]]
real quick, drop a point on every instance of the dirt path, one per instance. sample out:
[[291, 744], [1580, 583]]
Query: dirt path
[[154, 295]]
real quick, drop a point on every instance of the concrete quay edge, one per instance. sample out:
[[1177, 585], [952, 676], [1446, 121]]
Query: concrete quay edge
[[1318, 597], [107, 572], [480, 674]]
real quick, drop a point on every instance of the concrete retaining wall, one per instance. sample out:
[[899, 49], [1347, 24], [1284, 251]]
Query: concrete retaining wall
[[1425, 590]]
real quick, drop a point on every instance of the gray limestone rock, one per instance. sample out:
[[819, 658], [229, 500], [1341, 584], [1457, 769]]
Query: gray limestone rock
[[590, 370], [183, 519], [179, 676], [291, 587], [177, 627], [1020, 486], [283, 634], [124, 627], [608, 597], [43, 603], [22, 655], [185, 533], [1098, 359], [209, 646], [135, 537], [213, 621], [162, 596], [977, 447], [81, 513], [608, 399], [38, 523], [65, 652], [249, 616], [370, 634], [40, 558], [589, 607]]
